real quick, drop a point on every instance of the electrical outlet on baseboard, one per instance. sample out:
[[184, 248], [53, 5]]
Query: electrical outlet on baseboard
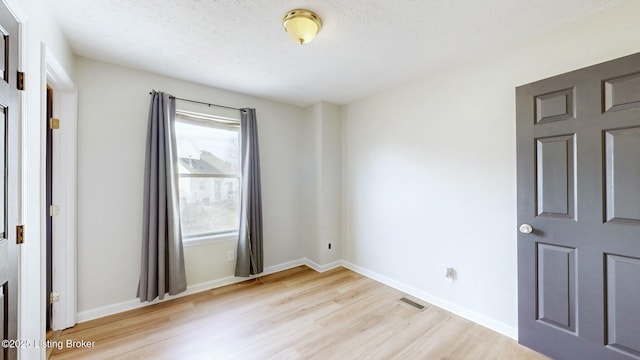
[[231, 255]]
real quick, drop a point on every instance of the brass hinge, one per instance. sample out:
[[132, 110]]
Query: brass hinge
[[20, 84], [54, 210], [53, 297], [54, 123], [20, 234]]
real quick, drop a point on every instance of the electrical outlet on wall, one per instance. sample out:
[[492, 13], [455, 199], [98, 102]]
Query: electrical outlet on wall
[[231, 255], [451, 274]]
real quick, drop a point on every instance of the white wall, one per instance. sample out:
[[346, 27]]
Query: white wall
[[322, 187], [310, 146], [112, 123], [43, 29], [330, 187], [430, 169]]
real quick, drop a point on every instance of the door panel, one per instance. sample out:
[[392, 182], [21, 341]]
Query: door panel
[[578, 149], [622, 93], [622, 165], [555, 178], [4, 52], [3, 127], [557, 286], [555, 106], [623, 332]]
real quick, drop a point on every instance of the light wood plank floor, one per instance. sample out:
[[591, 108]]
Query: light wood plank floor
[[294, 314]]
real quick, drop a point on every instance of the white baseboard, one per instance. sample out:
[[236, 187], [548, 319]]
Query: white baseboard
[[483, 320], [192, 289], [135, 303], [322, 268]]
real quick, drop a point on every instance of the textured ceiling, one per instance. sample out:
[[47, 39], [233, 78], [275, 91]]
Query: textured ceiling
[[364, 47]]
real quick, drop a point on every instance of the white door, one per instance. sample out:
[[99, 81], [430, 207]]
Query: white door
[[9, 146]]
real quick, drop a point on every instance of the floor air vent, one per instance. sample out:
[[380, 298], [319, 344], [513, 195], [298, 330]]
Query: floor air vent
[[412, 303]]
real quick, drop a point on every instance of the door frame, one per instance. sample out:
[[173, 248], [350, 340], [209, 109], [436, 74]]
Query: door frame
[[65, 107]]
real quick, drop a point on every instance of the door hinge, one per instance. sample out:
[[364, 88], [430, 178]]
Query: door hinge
[[54, 123], [20, 82], [54, 210], [54, 297], [20, 234]]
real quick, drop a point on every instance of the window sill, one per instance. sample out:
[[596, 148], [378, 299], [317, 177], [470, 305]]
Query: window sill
[[209, 239]]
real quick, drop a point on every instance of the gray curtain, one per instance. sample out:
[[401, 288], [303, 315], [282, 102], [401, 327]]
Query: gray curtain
[[249, 255], [162, 265]]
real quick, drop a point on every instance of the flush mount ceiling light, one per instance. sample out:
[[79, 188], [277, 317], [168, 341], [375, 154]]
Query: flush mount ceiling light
[[302, 25]]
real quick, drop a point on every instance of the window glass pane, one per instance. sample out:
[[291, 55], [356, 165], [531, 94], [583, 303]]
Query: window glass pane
[[207, 150], [208, 205]]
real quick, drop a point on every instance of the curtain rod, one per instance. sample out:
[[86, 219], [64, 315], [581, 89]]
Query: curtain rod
[[203, 103]]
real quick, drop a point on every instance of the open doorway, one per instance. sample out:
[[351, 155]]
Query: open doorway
[[49, 208]]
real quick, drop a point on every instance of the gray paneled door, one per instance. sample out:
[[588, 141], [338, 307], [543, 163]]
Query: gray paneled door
[[578, 144], [9, 143]]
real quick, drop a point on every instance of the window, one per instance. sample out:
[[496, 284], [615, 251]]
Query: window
[[209, 170]]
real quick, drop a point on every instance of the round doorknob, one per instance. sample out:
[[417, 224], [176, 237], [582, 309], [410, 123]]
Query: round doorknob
[[525, 229]]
